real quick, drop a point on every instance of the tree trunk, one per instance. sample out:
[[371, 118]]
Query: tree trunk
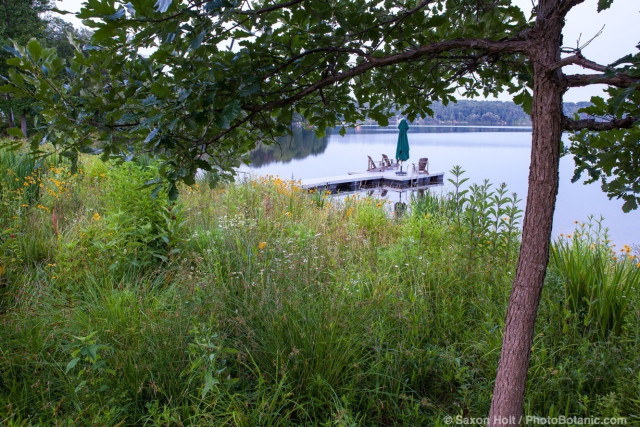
[[11, 122], [546, 116], [23, 124]]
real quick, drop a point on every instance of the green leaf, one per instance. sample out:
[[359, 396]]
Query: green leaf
[[604, 4], [231, 110], [119, 14], [60, 11], [13, 51], [630, 204], [34, 49], [197, 41], [14, 61], [436, 21], [17, 132], [525, 100], [215, 5], [151, 135], [172, 191], [72, 364], [161, 6], [104, 33]]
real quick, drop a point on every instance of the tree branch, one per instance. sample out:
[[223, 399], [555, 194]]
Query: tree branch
[[591, 124], [489, 46], [620, 80], [580, 60], [269, 8], [567, 5], [329, 49]]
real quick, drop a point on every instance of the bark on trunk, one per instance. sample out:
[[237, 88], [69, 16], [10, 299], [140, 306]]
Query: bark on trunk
[[23, 124], [546, 115]]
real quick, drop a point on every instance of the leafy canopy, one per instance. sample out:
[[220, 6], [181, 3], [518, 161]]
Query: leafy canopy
[[198, 83]]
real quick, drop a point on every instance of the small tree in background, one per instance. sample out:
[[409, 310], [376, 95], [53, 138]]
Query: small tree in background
[[20, 21]]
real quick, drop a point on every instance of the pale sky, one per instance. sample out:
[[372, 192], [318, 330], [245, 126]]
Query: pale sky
[[619, 37]]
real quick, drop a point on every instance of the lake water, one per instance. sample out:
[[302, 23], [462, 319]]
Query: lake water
[[496, 154]]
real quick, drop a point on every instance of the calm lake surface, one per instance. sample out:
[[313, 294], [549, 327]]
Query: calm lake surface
[[497, 154]]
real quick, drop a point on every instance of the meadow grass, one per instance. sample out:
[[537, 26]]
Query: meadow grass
[[262, 304]]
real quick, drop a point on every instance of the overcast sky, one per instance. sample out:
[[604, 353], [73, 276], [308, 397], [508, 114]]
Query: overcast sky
[[619, 37]]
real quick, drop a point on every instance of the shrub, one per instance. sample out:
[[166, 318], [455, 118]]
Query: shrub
[[139, 227]]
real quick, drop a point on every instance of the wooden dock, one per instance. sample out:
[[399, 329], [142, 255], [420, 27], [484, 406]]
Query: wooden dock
[[356, 181]]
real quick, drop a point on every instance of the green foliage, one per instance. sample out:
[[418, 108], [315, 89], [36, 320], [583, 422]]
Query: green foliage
[[220, 78], [488, 220], [208, 360], [21, 20], [138, 228], [612, 157], [279, 310], [598, 283], [87, 355], [21, 198]]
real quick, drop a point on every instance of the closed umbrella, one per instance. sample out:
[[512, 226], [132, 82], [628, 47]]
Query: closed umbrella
[[402, 151]]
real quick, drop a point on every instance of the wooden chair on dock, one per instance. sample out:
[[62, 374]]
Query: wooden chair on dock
[[422, 167], [372, 166], [388, 164]]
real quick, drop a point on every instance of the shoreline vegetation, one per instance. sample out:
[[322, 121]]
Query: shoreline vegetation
[[262, 304], [473, 113]]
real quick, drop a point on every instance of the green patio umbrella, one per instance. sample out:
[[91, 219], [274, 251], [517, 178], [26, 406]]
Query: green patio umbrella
[[402, 151]]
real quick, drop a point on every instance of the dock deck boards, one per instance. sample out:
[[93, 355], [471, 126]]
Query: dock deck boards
[[359, 180]]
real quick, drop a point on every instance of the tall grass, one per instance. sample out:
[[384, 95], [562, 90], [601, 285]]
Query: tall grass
[[598, 282], [277, 307]]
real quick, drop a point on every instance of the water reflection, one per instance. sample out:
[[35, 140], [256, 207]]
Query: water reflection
[[303, 143]]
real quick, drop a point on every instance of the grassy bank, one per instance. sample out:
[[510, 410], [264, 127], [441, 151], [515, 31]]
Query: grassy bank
[[261, 304]]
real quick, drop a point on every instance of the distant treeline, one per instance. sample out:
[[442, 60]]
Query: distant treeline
[[490, 113]]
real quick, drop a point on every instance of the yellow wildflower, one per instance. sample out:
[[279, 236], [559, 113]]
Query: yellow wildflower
[[262, 245], [96, 217]]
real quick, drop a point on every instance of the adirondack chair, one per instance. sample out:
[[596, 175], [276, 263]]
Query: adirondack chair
[[388, 164], [372, 165], [422, 166]]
